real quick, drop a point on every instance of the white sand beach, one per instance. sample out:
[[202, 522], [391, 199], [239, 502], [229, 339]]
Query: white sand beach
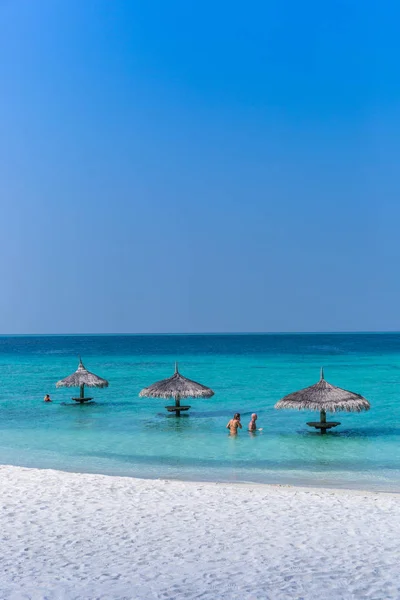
[[77, 536]]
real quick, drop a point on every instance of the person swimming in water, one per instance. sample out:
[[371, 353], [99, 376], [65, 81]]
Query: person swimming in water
[[47, 398], [234, 424]]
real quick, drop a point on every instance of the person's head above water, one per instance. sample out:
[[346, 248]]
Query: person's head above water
[[236, 416], [254, 417]]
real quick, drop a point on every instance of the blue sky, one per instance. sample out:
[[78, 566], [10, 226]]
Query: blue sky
[[199, 166]]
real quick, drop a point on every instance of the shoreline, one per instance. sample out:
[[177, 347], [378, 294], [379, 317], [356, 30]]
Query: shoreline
[[219, 484], [242, 483]]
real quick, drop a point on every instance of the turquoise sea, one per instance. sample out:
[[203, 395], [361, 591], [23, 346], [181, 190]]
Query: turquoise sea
[[123, 434]]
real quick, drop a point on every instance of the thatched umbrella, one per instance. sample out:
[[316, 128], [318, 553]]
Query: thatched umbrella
[[324, 397], [80, 378], [177, 387]]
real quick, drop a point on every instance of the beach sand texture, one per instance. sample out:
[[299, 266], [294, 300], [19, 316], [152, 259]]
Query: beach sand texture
[[78, 536]]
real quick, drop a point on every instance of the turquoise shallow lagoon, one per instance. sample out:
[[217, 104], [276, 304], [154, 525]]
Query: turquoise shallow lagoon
[[123, 434]]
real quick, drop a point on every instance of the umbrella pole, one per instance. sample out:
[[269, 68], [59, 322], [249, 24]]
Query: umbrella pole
[[82, 393], [177, 405], [323, 420]]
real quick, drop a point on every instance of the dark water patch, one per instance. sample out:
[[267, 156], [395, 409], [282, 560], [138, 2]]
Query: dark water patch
[[182, 345]]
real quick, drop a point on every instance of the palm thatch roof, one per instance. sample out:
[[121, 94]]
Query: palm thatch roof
[[82, 377], [176, 386], [326, 397]]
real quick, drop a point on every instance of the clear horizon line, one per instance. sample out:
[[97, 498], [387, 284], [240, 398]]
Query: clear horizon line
[[208, 333]]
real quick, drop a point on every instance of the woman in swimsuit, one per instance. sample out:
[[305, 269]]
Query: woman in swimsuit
[[234, 424]]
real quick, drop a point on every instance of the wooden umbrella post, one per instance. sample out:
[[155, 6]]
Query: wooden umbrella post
[[81, 399], [178, 405], [323, 424], [323, 421], [177, 408]]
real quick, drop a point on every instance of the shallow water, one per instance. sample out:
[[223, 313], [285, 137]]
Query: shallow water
[[126, 435]]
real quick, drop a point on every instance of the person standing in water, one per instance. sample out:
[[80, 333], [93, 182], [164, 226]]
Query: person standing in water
[[253, 425], [234, 424], [47, 398]]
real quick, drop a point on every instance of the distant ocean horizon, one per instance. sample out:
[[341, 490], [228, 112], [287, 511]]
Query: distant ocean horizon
[[123, 434], [173, 333]]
